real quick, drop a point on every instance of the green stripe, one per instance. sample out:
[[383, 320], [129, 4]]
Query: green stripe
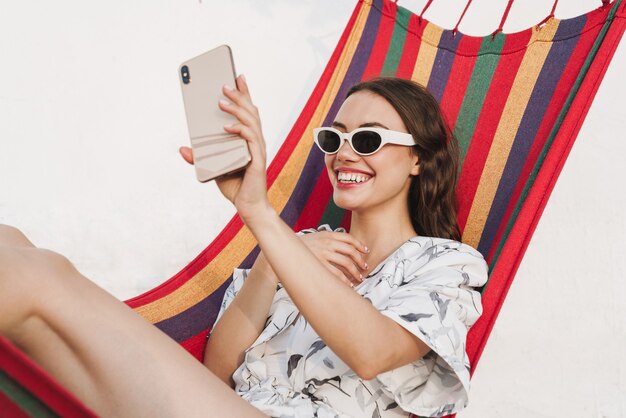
[[396, 46], [333, 214], [27, 402], [474, 99], [554, 131]]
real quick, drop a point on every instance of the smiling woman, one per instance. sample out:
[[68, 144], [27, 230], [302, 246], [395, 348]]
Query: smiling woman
[[52, 117], [299, 352], [411, 109], [290, 335]]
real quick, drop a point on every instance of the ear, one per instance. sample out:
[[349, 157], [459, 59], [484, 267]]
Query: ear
[[415, 170]]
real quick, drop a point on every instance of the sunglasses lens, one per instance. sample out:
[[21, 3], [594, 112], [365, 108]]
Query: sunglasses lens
[[328, 141], [366, 142]]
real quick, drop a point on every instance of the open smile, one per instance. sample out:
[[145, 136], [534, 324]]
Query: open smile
[[349, 179]]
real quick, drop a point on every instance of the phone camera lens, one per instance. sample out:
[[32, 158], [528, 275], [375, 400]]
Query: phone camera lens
[[184, 70]]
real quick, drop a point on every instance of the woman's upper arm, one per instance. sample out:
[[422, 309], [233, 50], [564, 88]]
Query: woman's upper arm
[[432, 306]]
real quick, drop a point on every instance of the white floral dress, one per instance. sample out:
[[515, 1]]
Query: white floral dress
[[426, 287]]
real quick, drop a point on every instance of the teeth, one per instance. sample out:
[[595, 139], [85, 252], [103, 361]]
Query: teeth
[[352, 177]]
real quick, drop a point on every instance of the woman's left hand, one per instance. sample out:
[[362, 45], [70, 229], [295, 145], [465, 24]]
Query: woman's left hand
[[246, 189]]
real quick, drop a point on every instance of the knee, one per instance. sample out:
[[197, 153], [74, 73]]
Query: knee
[[20, 255], [32, 267], [10, 235], [29, 279], [8, 229], [50, 263]]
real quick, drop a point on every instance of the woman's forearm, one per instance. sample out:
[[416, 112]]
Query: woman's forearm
[[346, 322], [242, 322]]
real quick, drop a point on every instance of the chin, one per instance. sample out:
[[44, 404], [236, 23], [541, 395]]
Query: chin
[[347, 203]]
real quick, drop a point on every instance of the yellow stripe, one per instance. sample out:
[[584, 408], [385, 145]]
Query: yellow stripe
[[427, 53], [221, 267], [523, 85]]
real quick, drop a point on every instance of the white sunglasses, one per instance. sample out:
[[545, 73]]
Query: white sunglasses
[[364, 141]]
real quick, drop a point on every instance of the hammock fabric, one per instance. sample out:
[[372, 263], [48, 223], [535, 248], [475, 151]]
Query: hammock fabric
[[516, 102]]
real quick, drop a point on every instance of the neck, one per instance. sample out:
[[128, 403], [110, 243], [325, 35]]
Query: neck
[[383, 231]]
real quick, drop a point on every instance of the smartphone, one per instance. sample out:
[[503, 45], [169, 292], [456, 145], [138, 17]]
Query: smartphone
[[215, 151]]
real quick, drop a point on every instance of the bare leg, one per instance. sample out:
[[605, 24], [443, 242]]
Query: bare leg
[[96, 346]]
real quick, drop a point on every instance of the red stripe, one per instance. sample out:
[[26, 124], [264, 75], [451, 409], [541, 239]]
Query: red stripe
[[411, 48], [283, 154], [347, 219], [195, 345], [315, 206], [10, 409], [519, 238], [38, 382], [381, 45], [567, 79], [486, 126], [461, 72]]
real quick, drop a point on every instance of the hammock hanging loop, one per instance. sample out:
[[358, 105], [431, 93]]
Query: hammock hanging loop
[[456, 27], [428, 3], [550, 16], [505, 15], [503, 20]]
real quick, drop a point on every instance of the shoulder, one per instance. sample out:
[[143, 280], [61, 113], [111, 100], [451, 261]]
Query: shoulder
[[436, 252], [439, 260], [437, 247]]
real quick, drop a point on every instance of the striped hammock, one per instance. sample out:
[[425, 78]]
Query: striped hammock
[[516, 102]]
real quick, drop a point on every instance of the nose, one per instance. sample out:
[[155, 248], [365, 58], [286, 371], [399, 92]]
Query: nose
[[346, 153]]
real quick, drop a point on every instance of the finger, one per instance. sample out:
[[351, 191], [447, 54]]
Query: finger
[[347, 250], [347, 266], [187, 154], [339, 274], [241, 99], [346, 237], [240, 113], [347, 274], [256, 146], [250, 135], [247, 129], [242, 85]]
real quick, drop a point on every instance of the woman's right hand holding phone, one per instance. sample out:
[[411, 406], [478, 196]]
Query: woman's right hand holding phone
[[246, 189], [341, 253]]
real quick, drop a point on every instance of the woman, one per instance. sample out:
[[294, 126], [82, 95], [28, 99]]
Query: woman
[[391, 341]]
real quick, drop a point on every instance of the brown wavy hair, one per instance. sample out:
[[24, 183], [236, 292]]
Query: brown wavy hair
[[432, 201]]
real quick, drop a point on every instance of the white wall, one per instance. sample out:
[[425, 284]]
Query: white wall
[[91, 119]]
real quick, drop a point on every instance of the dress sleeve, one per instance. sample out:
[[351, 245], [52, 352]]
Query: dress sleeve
[[239, 277], [436, 302]]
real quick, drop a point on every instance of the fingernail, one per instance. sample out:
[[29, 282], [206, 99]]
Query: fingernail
[[351, 284], [227, 87], [224, 102], [230, 125], [367, 250], [243, 77], [365, 266], [360, 277]]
